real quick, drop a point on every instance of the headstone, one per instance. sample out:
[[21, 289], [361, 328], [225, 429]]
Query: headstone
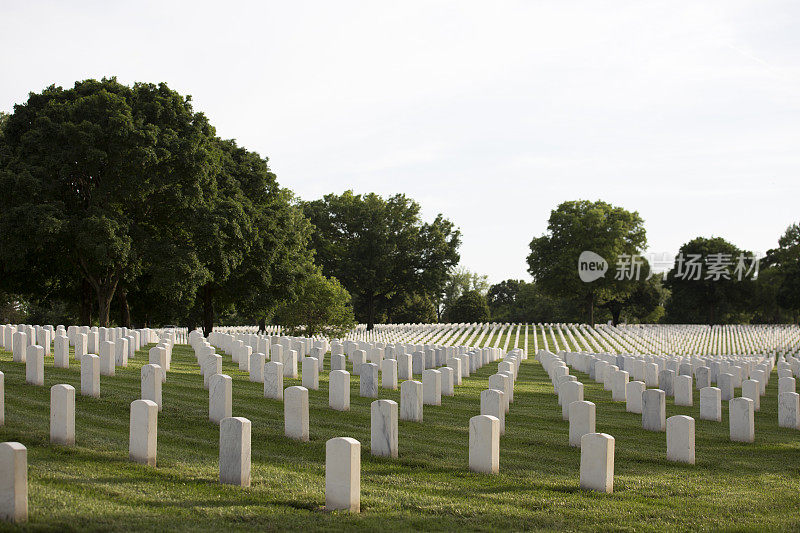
[[389, 374], [455, 364], [633, 392], [143, 432], [338, 361], [359, 358], [121, 352], [411, 401], [20, 345], [651, 377], [484, 444], [220, 397], [80, 346], [786, 384], [295, 413], [62, 414], [762, 376], [417, 362], [310, 373], [61, 352], [680, 438], [493, 403], [682, 387], [2, 399], [257, 362], [157, 355], [581, 421], [273, 380], [571, 391], [383, 427], [213, 365], [597, 461], [752, 389], [789, 410], [725, 385], [151, 384], [13, 482], [431, 387], [740, 413], [666, 380], [448, 377], [368, 383], [619, 384], [290, 364], [702, 377], [34, 365], [343, 474], [90, 376], [404, 366], [711, 404], [107, 358], [654, 410], [234, 451], [339, 390]]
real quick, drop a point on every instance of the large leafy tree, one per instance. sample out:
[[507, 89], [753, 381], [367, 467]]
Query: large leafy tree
[[576, 226], [503, 299], [252, 240], [100, 180], [469, 307], [322, 306], [127, 192], [460, 280], [379, 248], [706, 286]]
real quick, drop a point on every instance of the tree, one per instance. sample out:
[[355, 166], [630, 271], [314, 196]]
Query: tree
[[502, 298], [577, 226], [469, 307], [779, 284], [101, 179], [379, 248], [640, 303], [459, 280], [414, 309], [251, 241], [322, 307], [705, 294]]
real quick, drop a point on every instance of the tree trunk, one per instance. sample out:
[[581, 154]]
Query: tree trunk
[[370, 312], [590, 308], [124, 310], [85, 303], [208, 310], [104, 296], [615, 312]]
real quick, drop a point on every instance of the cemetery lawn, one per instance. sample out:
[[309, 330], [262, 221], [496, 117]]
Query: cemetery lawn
[[93, 486]]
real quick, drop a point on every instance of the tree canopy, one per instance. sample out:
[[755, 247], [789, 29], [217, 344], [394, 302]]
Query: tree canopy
[[379, 248], [577, 226], [706, 287], [127, 191], [469, 307], [322, 307]]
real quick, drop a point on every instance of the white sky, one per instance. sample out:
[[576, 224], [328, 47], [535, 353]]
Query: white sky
[[490, 112]]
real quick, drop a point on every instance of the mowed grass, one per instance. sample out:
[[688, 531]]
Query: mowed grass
[[93, 485]]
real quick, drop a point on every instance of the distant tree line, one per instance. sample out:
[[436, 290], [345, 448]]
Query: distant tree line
[[121, 205]]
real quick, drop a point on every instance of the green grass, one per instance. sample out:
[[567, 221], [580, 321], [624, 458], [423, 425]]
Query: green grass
[[93, 486]]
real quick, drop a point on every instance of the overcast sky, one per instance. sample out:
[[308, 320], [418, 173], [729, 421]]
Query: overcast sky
[[490, 112]]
